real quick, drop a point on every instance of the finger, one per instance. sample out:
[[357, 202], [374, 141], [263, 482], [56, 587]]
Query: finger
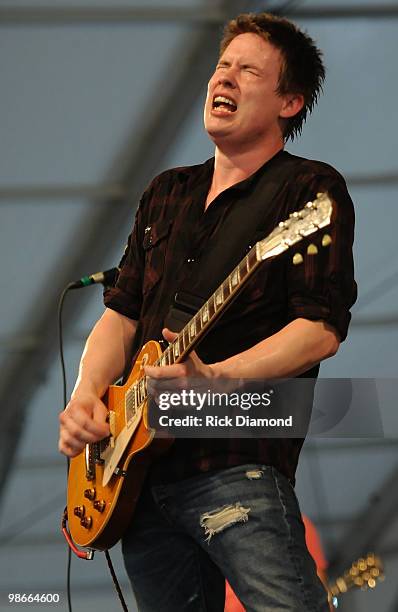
[[95, 430], [69, 445], [168, 334], [166, 372], [78, 423], [100, 417], [67, 450], [76, 437]]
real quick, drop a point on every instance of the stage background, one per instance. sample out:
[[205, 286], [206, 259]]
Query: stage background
[[97, 99]]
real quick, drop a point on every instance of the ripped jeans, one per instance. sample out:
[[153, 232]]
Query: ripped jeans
[[242, 523]]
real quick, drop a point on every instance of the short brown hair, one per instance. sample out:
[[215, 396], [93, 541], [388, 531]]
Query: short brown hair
[[302, 70]]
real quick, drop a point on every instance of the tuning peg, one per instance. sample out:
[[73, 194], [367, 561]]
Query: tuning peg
[[312, 249], [326, 240], [297, 259]]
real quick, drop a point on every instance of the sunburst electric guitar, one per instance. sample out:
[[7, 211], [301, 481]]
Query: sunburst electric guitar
[[104, 481]]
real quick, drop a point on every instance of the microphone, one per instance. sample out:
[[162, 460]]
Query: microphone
[[107, 278]]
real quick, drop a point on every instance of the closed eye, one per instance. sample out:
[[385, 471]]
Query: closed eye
[[251, 69]]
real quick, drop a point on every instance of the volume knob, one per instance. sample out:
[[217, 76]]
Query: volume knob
[[79, 511], [86, 522]]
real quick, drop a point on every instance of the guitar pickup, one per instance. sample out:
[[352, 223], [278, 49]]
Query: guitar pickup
[[112, 428]]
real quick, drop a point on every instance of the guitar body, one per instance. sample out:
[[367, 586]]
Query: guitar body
[[99, 513]]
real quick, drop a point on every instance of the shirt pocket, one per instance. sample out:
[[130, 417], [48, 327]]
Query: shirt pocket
[[155, 242]]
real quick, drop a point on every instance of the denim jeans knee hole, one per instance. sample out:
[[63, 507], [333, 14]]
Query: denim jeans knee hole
[[221, 518], [254, 474]]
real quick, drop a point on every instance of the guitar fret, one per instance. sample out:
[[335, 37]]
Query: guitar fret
[[235, 278], [192, 329], [212, 308], [252, 258], [176, 348], [204, 313], [230, 283], [218, 298], [242, 270], [171, 354], [198, 324], [226, 291], [186, 337]]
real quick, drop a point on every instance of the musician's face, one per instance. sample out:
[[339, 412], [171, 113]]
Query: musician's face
[[242, 106]]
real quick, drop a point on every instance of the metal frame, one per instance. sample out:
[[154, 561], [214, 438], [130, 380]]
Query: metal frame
[[207, 16], [117, 191]]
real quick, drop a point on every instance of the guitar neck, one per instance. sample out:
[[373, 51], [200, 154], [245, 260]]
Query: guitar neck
[[314, 216]]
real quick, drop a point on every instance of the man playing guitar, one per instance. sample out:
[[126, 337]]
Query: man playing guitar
[[226, 508]]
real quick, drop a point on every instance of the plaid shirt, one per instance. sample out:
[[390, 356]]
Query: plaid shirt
[[171, 238]]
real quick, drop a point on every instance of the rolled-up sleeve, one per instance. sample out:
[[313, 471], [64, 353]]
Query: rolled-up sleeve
[[322, 287], [126, 296]]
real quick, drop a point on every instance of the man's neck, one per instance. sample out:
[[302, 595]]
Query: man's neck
[[231, 168]]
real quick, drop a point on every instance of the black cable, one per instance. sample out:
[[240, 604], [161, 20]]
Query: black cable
[[115, 581], [64, 395]]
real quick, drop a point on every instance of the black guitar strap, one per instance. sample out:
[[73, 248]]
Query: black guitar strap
[[241, 229]]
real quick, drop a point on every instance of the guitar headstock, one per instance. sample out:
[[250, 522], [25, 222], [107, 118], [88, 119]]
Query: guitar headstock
[[363, 574], [314, 216]]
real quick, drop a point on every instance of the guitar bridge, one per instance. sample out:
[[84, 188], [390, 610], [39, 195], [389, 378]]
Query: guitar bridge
[[112, 428], [96, 453]]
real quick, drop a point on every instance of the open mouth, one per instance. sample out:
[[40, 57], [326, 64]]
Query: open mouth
[[225, 104]]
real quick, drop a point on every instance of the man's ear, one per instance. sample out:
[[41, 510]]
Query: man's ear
[[293, 103]]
